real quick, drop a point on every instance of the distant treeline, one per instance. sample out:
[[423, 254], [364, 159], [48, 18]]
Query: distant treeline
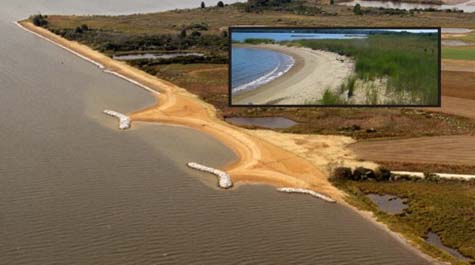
[[332, 31], [258, 41], [299, 7]]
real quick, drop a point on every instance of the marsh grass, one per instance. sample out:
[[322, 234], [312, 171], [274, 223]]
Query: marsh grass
[[408, 61], [442, 206], [329, 98]]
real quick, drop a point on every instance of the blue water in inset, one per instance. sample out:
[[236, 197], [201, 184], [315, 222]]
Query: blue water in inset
[[254, 67]]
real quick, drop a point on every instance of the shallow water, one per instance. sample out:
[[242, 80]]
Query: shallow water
[[266, 122], [251, 68], [76, 190], [434, 240], [466, 7], [129, 57], [388, 203]]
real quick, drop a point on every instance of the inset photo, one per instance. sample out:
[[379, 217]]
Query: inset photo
[[334, 67]]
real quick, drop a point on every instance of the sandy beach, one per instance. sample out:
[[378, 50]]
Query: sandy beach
[[258, 161], [266, 157], [313, 72]]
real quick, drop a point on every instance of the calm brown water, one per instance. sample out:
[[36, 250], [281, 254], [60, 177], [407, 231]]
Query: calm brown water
[[76, 190]]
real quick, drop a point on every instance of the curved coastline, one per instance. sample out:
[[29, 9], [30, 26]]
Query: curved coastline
[[266, 78], [313, 72], [258, 161]]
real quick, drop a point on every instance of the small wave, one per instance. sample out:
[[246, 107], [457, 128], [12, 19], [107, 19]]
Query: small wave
[[267, 77]]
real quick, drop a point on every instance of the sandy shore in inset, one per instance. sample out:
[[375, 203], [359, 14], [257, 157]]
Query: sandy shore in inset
[[267, 157], [313, 72]]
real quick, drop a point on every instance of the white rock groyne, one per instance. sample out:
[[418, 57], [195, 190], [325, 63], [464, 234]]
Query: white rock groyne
[[224, 179], [309, 192], [124, 120], [441, 175]]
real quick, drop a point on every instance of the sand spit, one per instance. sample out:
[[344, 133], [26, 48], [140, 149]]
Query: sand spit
[[224, 179], [314, 71], [80, 55], [258, 160], [309, 192], [124, 120], [440, 175]]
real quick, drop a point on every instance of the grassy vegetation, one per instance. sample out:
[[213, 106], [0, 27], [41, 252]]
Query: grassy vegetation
[[440, 206], [458, 53], [468, 37], [329, 98], [408, 61], [161, 32]]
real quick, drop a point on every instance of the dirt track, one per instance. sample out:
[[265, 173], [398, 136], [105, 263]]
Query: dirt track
[[458, 84], [457, 106], [455, 150]]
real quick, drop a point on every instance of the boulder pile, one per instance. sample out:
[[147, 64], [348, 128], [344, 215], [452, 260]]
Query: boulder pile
[[124, 120], [224, 179], [309, 192]]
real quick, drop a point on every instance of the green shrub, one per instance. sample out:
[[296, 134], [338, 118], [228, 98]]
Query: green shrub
[[357, 10], [39, 20]]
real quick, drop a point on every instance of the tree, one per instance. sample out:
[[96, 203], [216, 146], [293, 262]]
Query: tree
[[203, 5], [195, 34], [220, 4], [183, 33], [84, 27], [357, 10], [332, 2], [40, 20]]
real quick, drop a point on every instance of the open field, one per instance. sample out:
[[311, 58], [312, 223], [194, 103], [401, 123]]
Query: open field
[[457, 106], [430, 205], [455, 150], [458, 84], [457, 66], [459, 53]]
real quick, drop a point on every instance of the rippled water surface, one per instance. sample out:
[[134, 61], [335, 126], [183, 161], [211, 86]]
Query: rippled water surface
[[76, 190]]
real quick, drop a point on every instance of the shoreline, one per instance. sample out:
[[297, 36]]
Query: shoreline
[[258, 160], [313, 72], [270, 76]]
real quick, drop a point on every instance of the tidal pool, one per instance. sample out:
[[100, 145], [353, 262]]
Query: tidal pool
[[388, 203]]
